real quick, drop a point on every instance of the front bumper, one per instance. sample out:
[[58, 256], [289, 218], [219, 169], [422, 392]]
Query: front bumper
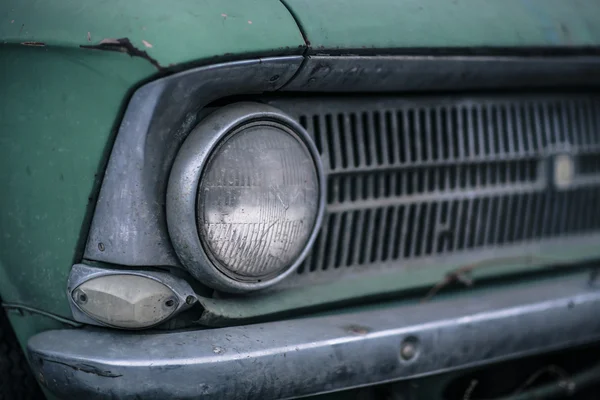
[[319, 354]]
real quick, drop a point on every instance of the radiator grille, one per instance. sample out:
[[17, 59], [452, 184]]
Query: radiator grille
[[415, 178]]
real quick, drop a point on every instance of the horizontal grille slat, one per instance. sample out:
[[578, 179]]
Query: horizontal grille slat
[[415, 178], [507, 223]]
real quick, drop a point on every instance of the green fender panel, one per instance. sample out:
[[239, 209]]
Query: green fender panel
[[60, 106], [57, 111], [387, 24], [169, 32]]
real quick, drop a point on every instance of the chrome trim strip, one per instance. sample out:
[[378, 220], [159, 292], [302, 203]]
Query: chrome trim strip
[[438, 73], [129, 223], [306, 356]]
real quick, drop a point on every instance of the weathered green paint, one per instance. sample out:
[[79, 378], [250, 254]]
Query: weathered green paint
[[58, 109], [220, 312], [393, 24], [170, 32], [61, 105]]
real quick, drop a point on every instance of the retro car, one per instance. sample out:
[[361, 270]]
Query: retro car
[[271, 199]]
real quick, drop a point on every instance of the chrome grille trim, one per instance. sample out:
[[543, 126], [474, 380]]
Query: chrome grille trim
[[404, 185]]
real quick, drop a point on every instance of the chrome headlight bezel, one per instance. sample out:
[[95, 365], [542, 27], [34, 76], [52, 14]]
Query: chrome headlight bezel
[[184, 181]]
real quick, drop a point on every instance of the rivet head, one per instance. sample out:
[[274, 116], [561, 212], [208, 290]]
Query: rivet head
[[170, 303], [409, 348], [80, 297]]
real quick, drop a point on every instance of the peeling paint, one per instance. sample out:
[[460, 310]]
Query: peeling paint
[[34, 44], [124, 45]]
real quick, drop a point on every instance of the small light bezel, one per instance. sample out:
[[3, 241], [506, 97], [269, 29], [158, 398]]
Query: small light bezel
[[184, 180], [82, 273]]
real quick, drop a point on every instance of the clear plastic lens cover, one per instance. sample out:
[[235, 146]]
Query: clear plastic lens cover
[[125, 301], [257, 202]]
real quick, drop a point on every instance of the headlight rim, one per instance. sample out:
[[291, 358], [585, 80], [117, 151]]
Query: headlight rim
[[184, 182]]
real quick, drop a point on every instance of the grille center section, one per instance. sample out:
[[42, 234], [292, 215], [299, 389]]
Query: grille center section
[[414, 178]]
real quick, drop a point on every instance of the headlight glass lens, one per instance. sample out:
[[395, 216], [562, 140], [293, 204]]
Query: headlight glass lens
[[258, 200]]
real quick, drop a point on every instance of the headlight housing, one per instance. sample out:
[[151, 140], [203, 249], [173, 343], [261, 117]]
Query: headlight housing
[[245, 197]]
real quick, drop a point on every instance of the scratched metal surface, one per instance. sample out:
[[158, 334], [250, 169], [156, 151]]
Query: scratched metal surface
[[298, 357]]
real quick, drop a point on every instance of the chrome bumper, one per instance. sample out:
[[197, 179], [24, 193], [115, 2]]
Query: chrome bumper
[[312, 355]]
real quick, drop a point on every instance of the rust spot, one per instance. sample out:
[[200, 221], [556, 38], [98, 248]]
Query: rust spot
[[357, 329], [34, 44], [122, 45]]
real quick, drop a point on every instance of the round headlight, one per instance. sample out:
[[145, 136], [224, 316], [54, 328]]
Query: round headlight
[[245, 197], [258, 201]]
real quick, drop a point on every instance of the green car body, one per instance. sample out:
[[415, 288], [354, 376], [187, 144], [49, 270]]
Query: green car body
[[63, 96]]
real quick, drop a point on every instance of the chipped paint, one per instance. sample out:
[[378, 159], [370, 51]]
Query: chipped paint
[[179, 33], [34, 44], [124, 45]]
